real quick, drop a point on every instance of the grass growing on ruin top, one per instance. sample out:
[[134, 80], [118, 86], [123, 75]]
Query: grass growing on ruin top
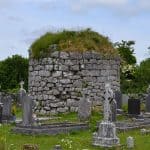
[[83, 40]]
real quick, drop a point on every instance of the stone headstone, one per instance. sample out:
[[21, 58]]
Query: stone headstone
[[22, 92], [84, 109], [7, 104], [1, 110], [118, 98], [27, 110], [106, 135], [134, 106], [147, 105], [130, 142], [57, 147], [113, 110], [108, 96], [125, 98]]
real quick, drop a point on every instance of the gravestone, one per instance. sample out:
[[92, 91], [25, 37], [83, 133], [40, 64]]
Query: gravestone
[[22, 91], [1, 110], [134, 106], [118, 98], [147, 105], [57, 147], [7, 104], [27, 110], [113, 110], [84, 109], [130, 142], [125, 98], [106, 135]]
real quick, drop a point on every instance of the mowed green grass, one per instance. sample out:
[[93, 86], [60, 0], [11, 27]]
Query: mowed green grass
[[74, 141]]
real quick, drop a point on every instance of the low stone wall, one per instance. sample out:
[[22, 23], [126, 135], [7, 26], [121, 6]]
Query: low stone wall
[[56, 83]]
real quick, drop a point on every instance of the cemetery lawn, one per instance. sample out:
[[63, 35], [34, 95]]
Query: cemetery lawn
[[74, 141]]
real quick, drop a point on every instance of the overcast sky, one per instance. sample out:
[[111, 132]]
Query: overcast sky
[[22, 21]]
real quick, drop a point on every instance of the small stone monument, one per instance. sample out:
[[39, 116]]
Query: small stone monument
[[148, 103], [57, 147], [113, 110], [106, 135], [1, 110], [7, 104], [22, 91], [118, 98], [84, 109], [27, 104], [130, 142], [125, 98]]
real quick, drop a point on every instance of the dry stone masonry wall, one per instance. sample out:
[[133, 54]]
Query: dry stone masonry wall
[[57, 83]]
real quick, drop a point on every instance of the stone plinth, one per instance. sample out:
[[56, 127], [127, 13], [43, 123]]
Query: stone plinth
[[106, 135]]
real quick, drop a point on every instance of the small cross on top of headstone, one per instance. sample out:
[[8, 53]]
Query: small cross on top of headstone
[[21, 85]]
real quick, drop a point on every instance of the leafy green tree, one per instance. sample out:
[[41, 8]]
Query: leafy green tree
[[12, 71], [128, 63], [126, 51], [143, 73]]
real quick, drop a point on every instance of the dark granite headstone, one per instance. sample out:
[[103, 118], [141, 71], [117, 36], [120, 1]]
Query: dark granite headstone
[[118, 98], [27, 110], [134, 106], [148, 103]]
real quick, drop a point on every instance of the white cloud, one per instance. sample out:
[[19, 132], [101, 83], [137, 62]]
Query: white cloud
[[126, 7]]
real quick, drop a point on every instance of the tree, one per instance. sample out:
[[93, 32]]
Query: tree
[[126, 51], [12, 71], [128, 64]]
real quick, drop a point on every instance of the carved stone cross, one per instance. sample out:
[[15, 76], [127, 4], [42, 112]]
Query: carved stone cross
[[21, 85]]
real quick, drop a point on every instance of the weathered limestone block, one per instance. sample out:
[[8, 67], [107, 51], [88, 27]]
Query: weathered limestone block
[[49, 67], [57, 74], [75, 55], [62, 109], [72, 102], [64, 55], [55, 54], [63, 67], [74, 68], [65, 81]]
